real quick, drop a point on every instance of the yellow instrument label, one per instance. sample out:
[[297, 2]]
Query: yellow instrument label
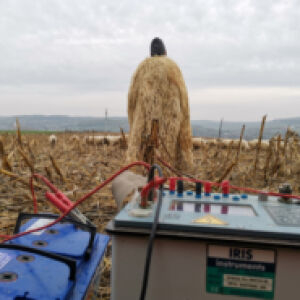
[[210, 219]]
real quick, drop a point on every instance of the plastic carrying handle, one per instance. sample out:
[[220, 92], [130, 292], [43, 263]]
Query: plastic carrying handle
[[71, 263], [90, 228]]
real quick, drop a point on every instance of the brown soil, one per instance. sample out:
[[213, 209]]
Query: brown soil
[[83, 167]]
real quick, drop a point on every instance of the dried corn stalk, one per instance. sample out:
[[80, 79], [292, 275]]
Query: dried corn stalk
[[26, 160], [240, 143], [56, 168], [2, 151], [17, 178], [259, 141], [123, 142], [5, 161], [19, 135], [268, 159]]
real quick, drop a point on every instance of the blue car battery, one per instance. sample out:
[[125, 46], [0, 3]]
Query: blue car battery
[[68, 237], [62, 262]]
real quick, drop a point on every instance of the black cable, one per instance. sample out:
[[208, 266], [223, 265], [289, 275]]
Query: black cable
[[153, 230]]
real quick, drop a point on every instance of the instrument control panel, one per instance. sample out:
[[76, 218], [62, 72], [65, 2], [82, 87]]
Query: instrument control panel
[[234, 214]]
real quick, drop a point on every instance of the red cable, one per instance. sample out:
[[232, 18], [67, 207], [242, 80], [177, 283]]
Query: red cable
[[4, 236], [157, 181], [100, 186], [47, 182], [245, 189], [249, 190], [152, 184]]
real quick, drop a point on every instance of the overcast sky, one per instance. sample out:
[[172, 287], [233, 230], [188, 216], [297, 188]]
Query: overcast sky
[[240, 59]]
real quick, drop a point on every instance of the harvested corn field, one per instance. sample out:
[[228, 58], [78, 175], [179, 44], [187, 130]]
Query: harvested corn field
[[76, 163]]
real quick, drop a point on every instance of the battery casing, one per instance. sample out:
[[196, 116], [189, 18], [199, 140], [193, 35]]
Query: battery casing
[[42, 275]]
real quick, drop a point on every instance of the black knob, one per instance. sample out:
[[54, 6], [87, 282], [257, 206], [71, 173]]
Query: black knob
[[285, 189], [180, 187], [198, 189]]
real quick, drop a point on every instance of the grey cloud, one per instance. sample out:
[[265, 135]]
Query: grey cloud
[[68, 40], [94, 46]]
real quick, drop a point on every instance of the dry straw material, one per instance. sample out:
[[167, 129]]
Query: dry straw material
[[83, 171], [158, 91]]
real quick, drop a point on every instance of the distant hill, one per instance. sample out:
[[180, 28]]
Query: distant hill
[[64, 123], [200, 127], [232, 129]]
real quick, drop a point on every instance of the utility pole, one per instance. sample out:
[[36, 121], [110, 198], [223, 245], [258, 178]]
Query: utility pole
[[106, 120], [220, 128]]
